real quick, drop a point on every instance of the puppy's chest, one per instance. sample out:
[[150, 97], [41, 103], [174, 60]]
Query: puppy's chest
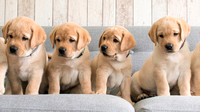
[[115, 79], [24, 71], [172, 69], [172, 73], [69, 78]]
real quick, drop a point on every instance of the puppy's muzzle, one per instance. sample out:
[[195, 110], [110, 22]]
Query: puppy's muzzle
[[104, 48], [62, 51], [13, 49], [169, 47]]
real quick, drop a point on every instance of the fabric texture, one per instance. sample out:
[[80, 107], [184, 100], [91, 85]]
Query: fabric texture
[[169, 104], [64, 103]]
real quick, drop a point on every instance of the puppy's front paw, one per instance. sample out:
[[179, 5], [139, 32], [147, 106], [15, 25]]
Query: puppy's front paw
[[100, 92], [142, 96], [90, 92], [132, 103], [2, 90], [31, 93]]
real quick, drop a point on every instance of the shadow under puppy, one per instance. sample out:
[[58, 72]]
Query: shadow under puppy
[[26, 54], [112, 67], [69, 69], [3, 65], [169, 65]]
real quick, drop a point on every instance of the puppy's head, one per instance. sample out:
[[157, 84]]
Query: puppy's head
[[169, 33], [115, 40], [22, 35], [70, 39]]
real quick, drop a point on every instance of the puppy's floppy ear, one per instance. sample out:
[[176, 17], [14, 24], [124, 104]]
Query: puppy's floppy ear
[[5, 30], [53, 36], [153, 32], [184, 27], [38, 36], [100, 40], [128, 41], [83, 38]]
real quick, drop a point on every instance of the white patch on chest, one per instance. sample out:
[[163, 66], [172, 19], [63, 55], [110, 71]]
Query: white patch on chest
[[69, 78], [172, 75], [173, 69], [24, 70], [115, 80]]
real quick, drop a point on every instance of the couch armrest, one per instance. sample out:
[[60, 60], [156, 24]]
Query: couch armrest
[[169, 104], [64, 103]]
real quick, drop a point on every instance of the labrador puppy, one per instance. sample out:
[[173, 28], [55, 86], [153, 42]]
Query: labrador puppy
[[169, 65], [69, 69], [3, 65], [195, 68], [112, 67], [26, 54]]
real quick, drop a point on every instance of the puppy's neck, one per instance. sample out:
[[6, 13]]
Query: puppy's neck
[[182, 45], [81, 53], [120, 57], [33, 51]]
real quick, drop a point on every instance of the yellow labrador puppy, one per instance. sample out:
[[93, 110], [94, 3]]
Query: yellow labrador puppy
[[69, 67], [195, 67], [170, 62], [26, 54], [3, 65], [112, 67]]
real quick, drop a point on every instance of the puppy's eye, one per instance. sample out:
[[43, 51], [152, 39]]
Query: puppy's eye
[[161, 36], [115, 40], [71, 40], [58, 40], [175, 34], [24, 38], [104, 38], [10, 36]]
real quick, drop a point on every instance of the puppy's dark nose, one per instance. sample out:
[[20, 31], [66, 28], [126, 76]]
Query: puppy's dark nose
[[169, 46], [13, 49], [62, 50], [104, 47]]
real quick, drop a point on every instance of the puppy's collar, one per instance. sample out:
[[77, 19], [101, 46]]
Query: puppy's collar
[[129, 52], [182, 44], [33, 51], [81, 53]]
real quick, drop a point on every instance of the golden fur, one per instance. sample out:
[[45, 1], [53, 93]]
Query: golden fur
[[68, 72], [25, 35], [3, 65], [195, 68], [112, 68], [165, 68]]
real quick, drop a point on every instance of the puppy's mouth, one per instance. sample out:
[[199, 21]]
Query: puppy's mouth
[[66, 56], [62, 55], [13, 54], [170, 51], [105, 54]]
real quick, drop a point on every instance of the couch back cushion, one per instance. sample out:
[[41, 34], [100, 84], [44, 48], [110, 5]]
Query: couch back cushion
[[144, 46]]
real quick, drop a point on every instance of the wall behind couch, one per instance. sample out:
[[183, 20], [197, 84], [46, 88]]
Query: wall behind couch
[[100, 12]]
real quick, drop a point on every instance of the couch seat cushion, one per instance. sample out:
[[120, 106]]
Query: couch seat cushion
[[64, 103], [169, 104]]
